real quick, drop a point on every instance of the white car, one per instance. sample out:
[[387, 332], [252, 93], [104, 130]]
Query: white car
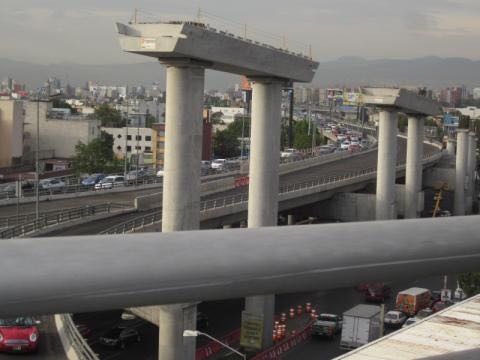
[[354, 142], [345, 145], [410, 321], [110, 182], [132, 175], [394, 318], [341, 137], [160, 173], [218, 164], [51, 184]]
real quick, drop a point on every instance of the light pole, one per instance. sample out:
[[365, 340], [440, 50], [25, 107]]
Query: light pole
[[126, 144], [195, 333], [37, 161]]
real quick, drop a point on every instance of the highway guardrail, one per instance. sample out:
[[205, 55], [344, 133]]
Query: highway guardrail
[[73, 340]]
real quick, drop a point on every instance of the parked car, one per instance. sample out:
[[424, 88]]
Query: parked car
[[127, 316], [327, 325], [19, 335], [345, 145], [205, 165], [377, 293], [440, 305], [120, 337], [136, 174], [394, 318], [51, 184], [110, 182], [160, 173], [92, 179]]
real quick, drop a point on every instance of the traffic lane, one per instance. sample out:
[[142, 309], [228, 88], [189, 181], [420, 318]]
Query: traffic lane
[[49, 344], [340, 300], [99, 323]]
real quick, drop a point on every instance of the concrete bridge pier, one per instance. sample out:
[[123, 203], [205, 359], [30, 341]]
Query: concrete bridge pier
[[461, 171], [181, 190], [413, 175], [472, 161], [451, 147], [386, 166], [264, 179], [291, 219]]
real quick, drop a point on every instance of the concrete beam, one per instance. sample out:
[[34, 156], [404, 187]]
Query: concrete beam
[[222, 264], [214, 49], [404, 100]]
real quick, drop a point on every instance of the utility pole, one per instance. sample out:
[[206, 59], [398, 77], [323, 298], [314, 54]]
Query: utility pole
[[126, 144], [37, 162], [290, 119]]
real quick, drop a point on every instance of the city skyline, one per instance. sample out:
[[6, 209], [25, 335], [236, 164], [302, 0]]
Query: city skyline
[[50, 32]]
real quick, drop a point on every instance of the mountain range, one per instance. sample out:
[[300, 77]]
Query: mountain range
[[428, 71]]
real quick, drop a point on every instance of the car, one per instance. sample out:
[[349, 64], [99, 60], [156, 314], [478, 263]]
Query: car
[[218, 164], [205, 165], [51, 184], [377, 293], [110, 182], [120, 337], [409, 321], [202, 321], [127, 316], [135, 174], [422, 314], [19, 335], [394, 318], [160, 173], [354, 148], [345, 145], [327, 325], [92, 179], [440, 305]]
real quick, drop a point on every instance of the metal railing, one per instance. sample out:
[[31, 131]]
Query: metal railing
[[51, 219], [214, 204], [77, 342]]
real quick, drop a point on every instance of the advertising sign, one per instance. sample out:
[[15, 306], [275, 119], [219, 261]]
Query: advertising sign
[[252, 331]]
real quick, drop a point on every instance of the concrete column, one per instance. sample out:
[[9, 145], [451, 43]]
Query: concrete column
[[181, 190], [386, 165], [451, 147], [472, 163], [264, 179], [413, 175], [461, 171], [291, 220]]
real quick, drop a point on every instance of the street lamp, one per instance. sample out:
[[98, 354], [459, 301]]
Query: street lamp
[[195, 333]]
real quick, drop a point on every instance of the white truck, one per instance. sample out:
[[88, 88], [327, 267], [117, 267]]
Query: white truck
[[361, 324]]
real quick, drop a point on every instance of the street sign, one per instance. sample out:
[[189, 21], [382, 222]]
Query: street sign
[[446, 295], [252, 331]]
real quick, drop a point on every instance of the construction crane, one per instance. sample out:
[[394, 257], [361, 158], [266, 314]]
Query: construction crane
[[438, 198]]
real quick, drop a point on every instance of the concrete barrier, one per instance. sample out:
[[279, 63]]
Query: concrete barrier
[[153, 201]]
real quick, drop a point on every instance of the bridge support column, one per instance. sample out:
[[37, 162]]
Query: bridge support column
[[451, 147], [227, 226], [181, 190], [386, 167], [291, 220], [264, 179], [461, 171], [471, 167], [413, 175]]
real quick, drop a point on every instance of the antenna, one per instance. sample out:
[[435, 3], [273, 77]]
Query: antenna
[[199, 14], [135, 15]]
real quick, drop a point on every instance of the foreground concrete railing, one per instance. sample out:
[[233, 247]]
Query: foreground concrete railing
[[221, 264]]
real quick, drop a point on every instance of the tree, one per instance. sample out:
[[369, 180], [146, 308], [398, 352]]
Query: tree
[[96, 156], [108, 116], [302, 139], [470, 283], [226, 144], [62, 104], [149, 120]]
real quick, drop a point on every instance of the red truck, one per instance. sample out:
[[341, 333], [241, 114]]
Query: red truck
[[412, 300]]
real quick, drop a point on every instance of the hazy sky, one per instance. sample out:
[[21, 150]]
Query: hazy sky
[[82, 31]]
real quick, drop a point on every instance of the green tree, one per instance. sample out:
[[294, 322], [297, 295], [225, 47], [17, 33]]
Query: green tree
[[149, 120], [226, 144], [109, 116], [470, 283], [302, 139], [62, 104], [96, 156]]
